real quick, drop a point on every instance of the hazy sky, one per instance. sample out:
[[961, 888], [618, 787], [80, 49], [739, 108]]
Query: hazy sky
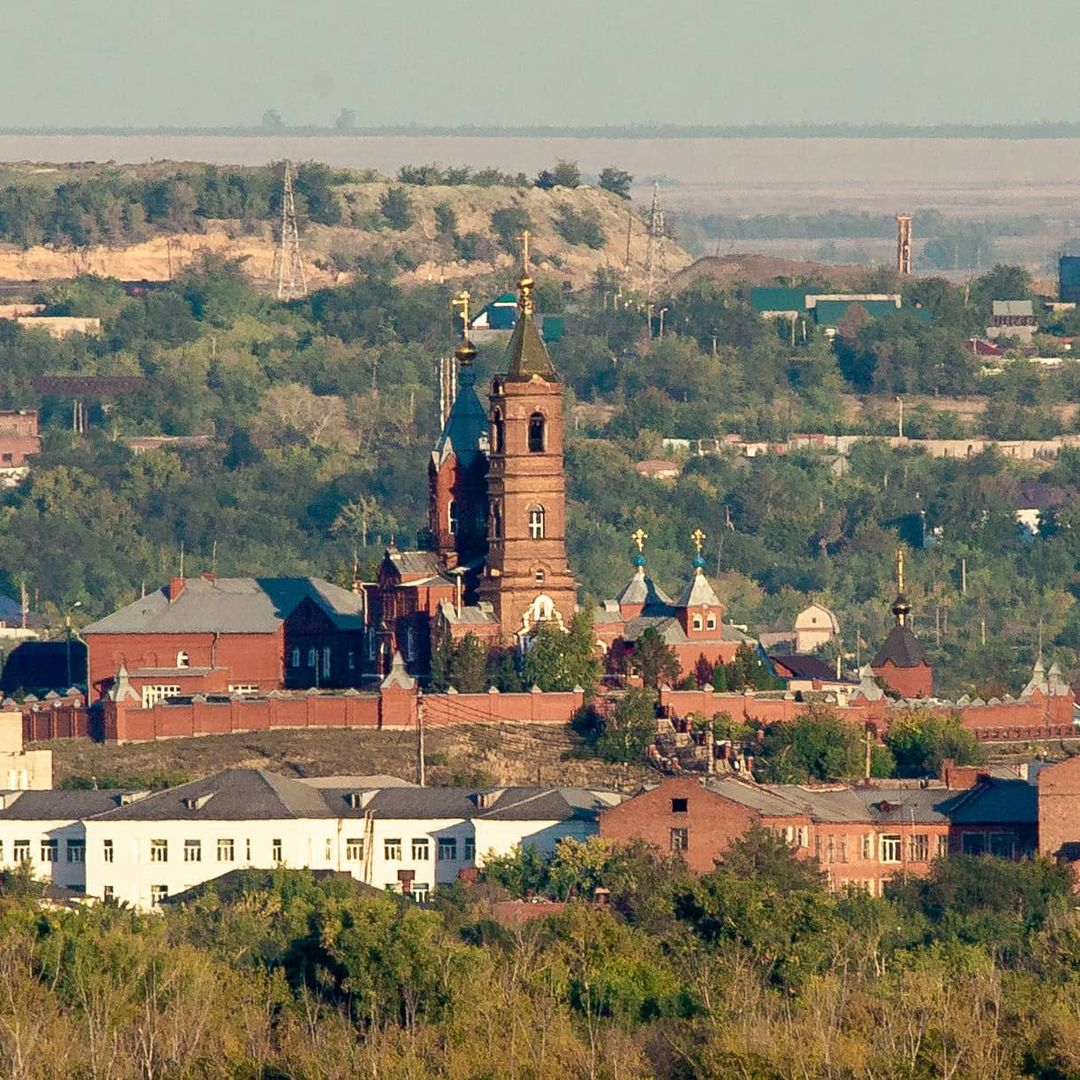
[[443, 62]]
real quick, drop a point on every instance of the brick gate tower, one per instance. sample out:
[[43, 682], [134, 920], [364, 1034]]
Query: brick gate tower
[[527, 579]]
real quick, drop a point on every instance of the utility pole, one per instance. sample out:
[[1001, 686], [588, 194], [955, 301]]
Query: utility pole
[[900, 417], [421, 776], [963, 576], [903, 244], [654, 248], [288, 264]]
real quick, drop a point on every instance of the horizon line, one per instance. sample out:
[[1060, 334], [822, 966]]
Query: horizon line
[[1053, 129]]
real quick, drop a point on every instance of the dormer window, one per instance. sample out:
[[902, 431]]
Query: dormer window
[[697, 624], [537, 432], [710, 623], [182, 659], [197, 802]]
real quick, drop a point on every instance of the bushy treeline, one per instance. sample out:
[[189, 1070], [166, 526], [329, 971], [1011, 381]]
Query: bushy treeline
[[751, 971], [125, 209]]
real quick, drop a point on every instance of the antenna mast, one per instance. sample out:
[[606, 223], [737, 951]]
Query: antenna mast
[[654, 250], [288, 265]]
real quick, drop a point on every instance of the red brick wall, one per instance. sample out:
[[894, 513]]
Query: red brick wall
[[126, 723], [526, 708], [238, 658], [712, 822], [1059, 809], [912, 682]]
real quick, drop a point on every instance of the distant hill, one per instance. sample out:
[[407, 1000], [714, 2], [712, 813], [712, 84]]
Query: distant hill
[[767, 270], [446, 231]]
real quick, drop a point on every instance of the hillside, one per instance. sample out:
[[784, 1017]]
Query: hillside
[[447, 232], [766, 270]]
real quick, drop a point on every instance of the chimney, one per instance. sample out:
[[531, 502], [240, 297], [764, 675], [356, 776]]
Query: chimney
[[176, 587]]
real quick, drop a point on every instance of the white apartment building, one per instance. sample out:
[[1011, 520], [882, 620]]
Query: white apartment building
[[141, 848]]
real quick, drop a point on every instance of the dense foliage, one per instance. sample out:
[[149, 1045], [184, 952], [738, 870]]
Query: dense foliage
[[752, 971]]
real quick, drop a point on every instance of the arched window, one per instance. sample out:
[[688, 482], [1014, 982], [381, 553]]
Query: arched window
[[710, 623], [182, 659], [451, 518], [296, 658], [326, 662], [496, 521], [313, 658], [497, 431], [697, 622], [539, 575], [537, 424], [536, 522]]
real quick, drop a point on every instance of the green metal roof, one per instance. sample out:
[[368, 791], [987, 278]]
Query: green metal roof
[[832, 312], [775, 299]]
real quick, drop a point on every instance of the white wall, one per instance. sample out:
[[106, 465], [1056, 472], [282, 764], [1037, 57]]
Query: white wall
[[306, 844], [72, 875], [501, 837]]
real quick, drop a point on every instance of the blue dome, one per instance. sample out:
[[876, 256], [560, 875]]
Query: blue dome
[[639, 559], [699, 563]]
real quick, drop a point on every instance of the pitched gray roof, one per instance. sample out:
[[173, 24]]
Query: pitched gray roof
[[997, 802], [641, 589], [57, 805], [230, 795], [902, 647], [465, 432], [698, 593], [231, 605]]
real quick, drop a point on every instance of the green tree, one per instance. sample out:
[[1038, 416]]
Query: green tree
[[396, 207], [562, 174], [629, 729], [654, 659], [617, 181], [920, 740], [561, 660], [468, 666], [442, 659]]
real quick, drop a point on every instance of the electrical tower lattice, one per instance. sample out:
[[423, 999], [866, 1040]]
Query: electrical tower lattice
[[288, 263], [654, 249]]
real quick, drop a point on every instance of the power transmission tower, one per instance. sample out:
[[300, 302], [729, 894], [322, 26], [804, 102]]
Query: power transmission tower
[[288, 265], [654, 250]]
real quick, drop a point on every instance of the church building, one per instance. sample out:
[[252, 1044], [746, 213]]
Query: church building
[[497, 566]]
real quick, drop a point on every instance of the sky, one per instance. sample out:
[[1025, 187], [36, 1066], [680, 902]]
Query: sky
[[147, 63]]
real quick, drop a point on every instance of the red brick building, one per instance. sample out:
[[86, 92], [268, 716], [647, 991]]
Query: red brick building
[[223, 636], [861, 836], [692, 626], [1059, 810], [19, 441]]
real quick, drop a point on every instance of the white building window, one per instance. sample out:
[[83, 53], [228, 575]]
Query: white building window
[[107, 850], [679, 839], [354, 849], [697, 622], [866, 848], [451, 518], [182, 659], [50, 850], [158, 895], [275, 850], [328, 850], [21, 851], [536, 522], [159, 850], [447, 849], [151, 695], [76, 851], [226, 850], [244, 689], [392, 850], [107, 892], [890, 848], [470, 848], [421, 892], [421, 849], [942, 847], [192, 851], [710, 623]]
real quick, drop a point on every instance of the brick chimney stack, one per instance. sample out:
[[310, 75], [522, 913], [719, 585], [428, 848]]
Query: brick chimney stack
[[176, 587]]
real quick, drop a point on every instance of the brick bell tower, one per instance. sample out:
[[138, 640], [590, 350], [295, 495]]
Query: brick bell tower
[[527, 579]]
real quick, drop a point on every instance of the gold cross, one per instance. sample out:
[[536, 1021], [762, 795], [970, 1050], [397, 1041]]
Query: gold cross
[[697, 536], [639, 538], [462, 301], [524, 238]]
